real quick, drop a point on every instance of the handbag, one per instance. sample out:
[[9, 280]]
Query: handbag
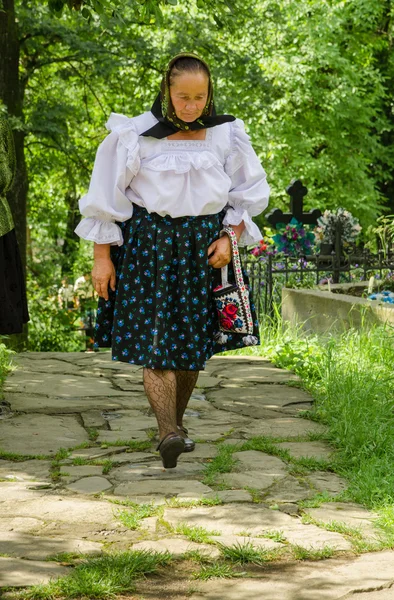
[[232, 299]]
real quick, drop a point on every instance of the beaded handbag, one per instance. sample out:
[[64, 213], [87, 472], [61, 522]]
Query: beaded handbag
[[232, 299]]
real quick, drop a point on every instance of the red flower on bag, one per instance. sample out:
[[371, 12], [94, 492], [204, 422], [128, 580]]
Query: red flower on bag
[[225, 322], [231, 310]]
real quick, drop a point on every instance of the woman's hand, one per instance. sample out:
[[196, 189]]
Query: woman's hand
[[219, 252], [103, 275]]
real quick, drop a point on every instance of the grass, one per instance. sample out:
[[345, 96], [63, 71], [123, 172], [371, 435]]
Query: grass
[[301, 553], [133, 518], [14, 457], [217, 570], [222, 463], [133, 445], [5, 363], [175, 502], [102, 577], [275, 535], [247, 553], [197, 534], [351, 378]]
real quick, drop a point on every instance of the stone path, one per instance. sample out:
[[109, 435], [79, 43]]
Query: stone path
[[77, 440]]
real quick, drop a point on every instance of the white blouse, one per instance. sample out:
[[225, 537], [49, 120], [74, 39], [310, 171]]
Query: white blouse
[[172, 177]]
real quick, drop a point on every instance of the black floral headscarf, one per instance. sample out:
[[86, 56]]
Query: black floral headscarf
[[164, 111]]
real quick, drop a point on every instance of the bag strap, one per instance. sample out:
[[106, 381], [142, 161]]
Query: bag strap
[[239, 280]]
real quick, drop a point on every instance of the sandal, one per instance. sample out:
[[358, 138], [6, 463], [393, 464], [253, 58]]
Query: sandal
[[189, 444], [170, 447]]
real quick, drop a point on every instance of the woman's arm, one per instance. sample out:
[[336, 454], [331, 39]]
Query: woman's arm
[[103, 273]]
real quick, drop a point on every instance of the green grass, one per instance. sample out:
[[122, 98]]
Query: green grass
[[133, 518], [197, 534], [217, 570], [222, 463], [247, 553], [175, 502], [5, 363], [102, 577], [301, 553], [133, 445], [14, 457], [275, 535]]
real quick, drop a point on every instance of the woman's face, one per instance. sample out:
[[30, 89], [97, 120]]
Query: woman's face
[[189, 94]]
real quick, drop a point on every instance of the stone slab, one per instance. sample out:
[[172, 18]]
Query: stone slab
[[90, 485], [116, 436], [201, 451], [177, 547], [351, 514], [317, 450], [155, 470], [327, 482], [251, 479], [386, 594], [254, 460], [256, 401], [288, 490], [80, 471], [66, 386], [93, 453], [35, 403], [93, 418], [133, 423], [288, 427], [27, 470], [36, 434], [212, 433], [240, 540], [133, 457], [20, 524], [181, 488], [259, 372], [15, 572], [46, 365], [22, 545], [325, 580], [228, 496], [255, 519]]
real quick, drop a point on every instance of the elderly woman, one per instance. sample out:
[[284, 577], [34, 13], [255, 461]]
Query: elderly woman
[[163, 186]]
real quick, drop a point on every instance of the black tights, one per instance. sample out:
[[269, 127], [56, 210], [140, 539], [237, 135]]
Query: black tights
[[168, 393]]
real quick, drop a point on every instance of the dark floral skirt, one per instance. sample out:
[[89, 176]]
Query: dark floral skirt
[[162, 314], [13, 302]]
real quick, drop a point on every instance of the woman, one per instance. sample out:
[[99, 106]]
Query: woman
[[13, 302], [155, 209]]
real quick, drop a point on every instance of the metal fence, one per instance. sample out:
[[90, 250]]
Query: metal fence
[[269, 274]]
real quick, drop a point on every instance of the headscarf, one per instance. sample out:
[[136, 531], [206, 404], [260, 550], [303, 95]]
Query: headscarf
[[164, 111], [7, 173]]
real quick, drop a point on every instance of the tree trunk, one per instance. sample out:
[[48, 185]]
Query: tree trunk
[[71, 241], [11, 95]]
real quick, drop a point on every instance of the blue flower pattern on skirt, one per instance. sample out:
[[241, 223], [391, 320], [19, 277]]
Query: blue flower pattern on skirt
[[162, 314]]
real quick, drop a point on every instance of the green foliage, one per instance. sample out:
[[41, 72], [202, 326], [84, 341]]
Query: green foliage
[[101, 577], [5, 363], [133, 517], [247, 553], [217, 570]]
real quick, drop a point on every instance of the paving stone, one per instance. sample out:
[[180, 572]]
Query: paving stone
[[386, 594], [45, 365], [211, 433], [24, 434], [132, 421], [282, 427], [67, 386], [31, 547], [289, 509], [181, 488], [260, 372], [261, 401], [251, 479], [19, 573], [325, 580], [29, 470], [93, 453], [228, 496], [93, 418], [116, 436], [133, 457], [317, 450], [254, 460], [240, 540], [353, 515], [255, 519], [177, 547], [21, 524], [155, 470], [215, 417], [207, 381], [90, 485], [21, 491], [36, 403], [289, 490], [79, 471], [327, 482], [61, 509], [201, 451]]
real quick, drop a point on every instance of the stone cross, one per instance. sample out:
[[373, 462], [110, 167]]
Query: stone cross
[[296, 191]]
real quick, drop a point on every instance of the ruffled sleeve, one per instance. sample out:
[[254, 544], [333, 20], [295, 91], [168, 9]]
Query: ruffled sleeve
[[117, 162], [249, 191]]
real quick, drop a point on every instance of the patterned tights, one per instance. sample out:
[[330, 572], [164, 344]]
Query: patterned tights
[[168, 393]]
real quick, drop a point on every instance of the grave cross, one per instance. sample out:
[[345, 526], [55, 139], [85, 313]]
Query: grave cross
[[296, 191]]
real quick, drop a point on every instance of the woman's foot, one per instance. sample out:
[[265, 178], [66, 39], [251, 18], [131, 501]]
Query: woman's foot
[[170, 447], [189, 444]]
